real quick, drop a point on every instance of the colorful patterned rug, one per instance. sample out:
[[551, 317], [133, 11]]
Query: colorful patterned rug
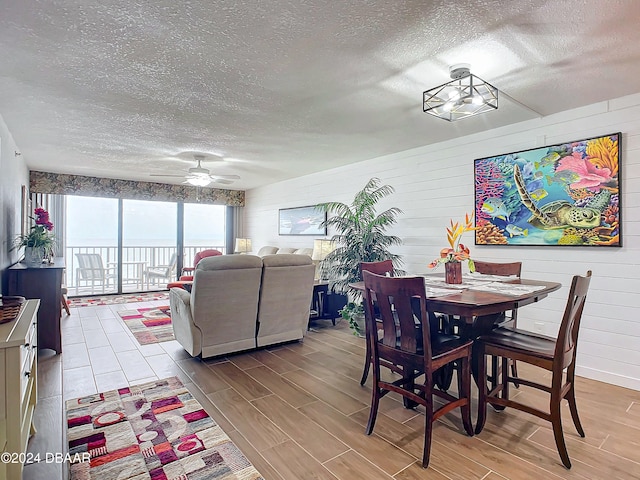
[[116, 299], [149, 325], [154, 431]]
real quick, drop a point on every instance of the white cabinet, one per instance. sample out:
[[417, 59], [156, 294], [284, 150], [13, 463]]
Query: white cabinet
[[18, 380]]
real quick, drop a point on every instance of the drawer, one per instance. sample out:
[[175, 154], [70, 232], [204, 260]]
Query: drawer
[[27, 369], [30, 344], [28, 353]]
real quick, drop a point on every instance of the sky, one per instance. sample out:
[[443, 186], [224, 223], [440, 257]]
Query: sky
[[93, 221]]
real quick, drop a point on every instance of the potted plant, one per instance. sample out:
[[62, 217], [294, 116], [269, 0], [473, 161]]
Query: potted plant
[[457, 252], [39, 241], [360, 237]]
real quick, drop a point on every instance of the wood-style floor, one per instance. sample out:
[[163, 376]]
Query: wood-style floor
[[298, 411]]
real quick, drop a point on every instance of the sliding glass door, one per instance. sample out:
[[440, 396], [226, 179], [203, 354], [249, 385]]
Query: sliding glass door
[[149, 245], [125, 246], [91, 239], [204, 228]]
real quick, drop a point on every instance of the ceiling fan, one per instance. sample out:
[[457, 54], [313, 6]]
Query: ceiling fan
[[199, 176]]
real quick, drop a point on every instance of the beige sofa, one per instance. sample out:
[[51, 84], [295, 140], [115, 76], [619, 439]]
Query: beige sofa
[[241, 302], [270, 250]]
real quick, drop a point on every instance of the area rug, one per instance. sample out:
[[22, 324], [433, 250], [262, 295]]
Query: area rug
[[155, 431], [149, 325], [116, 299]]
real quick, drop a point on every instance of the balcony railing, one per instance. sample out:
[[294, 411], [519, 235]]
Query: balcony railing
[[136, 262]]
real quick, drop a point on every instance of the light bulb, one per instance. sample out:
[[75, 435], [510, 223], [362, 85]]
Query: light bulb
[[199, 181]]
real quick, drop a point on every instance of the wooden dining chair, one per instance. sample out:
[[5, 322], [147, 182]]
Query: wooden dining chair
[[384, 267], [400, 350], [63, 300], [551, 354], [510, 319]]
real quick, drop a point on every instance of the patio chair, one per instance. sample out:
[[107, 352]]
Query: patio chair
[[186, 277], [187, 272], [158, 273], [91, 270]]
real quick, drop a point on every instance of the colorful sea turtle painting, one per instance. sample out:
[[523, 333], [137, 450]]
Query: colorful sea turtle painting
[[559, 213], [565, 194]]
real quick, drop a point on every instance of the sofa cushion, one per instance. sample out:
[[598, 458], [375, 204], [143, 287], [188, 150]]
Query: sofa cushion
[[285, 260], [267, 250], [284, 250], [285, 298], [226, 262], [304, 251]]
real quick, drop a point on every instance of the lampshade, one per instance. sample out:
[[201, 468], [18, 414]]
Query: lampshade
[[321, 248], [464, 96], [243, 245], [199, 181]]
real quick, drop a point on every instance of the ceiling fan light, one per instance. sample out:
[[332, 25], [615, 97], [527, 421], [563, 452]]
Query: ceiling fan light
[[199, 181]]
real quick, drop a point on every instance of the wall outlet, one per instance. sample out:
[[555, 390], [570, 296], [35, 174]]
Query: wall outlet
[[538, 327]]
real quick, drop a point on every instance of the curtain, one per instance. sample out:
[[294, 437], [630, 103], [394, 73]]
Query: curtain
[[63, 184]]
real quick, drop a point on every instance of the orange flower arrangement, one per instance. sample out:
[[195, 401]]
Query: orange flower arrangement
[[457, 252]]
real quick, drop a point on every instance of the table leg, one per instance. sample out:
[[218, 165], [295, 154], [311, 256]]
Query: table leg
[[480, 325]]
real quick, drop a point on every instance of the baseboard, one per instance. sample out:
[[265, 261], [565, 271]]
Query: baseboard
[[608, 377]]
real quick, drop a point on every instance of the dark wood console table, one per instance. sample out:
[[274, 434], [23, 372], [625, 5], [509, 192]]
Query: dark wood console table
[[43, 282]]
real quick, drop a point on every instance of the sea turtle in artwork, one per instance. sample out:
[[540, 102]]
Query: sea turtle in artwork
[[561, 213]]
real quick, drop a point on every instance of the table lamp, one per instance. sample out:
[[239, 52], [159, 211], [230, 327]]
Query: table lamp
[[243, 245], [321, 248]]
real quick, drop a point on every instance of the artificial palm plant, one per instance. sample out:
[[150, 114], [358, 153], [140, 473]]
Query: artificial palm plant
[[360, 237]]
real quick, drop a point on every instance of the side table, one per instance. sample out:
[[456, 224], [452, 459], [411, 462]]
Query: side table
[[43, 282], [325, 304]]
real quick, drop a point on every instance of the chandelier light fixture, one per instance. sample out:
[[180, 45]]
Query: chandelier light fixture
[[464, 96]]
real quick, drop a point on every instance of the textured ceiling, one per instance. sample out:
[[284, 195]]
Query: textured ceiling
[[282, 88]]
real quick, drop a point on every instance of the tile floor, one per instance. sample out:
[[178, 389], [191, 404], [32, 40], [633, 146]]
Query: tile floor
[[99, 354]]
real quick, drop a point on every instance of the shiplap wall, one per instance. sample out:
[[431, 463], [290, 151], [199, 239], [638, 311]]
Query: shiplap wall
[[435, 183]]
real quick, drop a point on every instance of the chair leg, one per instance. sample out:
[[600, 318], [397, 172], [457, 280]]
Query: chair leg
[[494, 373], [375, 401], [464, 391], [428, 427], [500, 370], [556, 421], [367, 363], [443, 377], [573, 408], [482, 391], [410, 385], [505, 379], [514, 373], [65, 305]]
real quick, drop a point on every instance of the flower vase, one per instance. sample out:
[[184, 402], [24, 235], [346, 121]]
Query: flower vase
[[33, 256], [453, 272]]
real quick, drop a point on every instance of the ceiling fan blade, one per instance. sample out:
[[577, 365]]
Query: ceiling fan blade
[[227, 177], [160, 175], [222, 181]]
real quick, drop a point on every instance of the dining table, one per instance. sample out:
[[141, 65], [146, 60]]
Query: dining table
[[479, 301]]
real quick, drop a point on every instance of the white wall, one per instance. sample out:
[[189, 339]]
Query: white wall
[[13, 174], [435, 183]]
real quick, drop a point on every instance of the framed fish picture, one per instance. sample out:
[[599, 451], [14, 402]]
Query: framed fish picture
[[566, 194]]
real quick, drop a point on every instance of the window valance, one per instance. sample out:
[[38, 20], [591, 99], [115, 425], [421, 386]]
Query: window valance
[[64, 184]]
